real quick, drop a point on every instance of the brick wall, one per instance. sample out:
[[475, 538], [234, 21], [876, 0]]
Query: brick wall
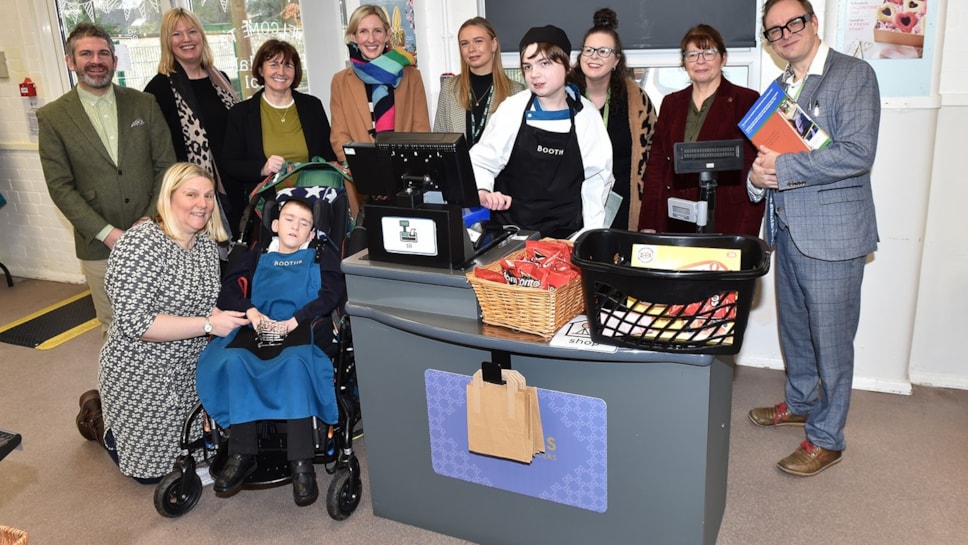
[[36, 241]]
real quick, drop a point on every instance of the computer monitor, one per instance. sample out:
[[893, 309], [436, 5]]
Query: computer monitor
[[371, 175], [425, 161]]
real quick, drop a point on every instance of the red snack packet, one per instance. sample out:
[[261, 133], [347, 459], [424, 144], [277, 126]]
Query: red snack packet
[[488, 274]]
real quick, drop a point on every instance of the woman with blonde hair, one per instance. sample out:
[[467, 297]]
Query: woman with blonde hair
[[380, 91], [468, 99], [163, 281], [193, 95]]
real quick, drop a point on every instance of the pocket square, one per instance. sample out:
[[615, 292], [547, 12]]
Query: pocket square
[[137, 122]]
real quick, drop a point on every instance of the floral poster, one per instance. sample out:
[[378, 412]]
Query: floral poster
[[400, 15]]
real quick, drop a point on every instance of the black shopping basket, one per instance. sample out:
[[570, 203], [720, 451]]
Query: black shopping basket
[[687, 311]]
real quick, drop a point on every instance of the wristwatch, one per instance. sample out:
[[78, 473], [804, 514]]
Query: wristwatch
[[207, 328]]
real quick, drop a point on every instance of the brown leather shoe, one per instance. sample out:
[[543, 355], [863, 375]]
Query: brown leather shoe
[[90, 422], [778, 415], [808, 460]]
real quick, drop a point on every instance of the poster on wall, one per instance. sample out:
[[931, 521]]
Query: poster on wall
[[896, 37], [400, 15]]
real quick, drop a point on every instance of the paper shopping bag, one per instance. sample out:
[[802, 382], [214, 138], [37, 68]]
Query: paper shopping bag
[[501, 418], [536, 431]]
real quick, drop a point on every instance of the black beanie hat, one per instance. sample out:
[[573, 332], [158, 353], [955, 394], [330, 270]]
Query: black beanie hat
[[548, 34]]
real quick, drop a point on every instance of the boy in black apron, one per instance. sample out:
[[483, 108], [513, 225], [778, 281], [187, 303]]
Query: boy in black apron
[[544, 161]]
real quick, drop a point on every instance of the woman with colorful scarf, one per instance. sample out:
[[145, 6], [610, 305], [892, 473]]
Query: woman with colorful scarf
[[381, 90], [194, 96]]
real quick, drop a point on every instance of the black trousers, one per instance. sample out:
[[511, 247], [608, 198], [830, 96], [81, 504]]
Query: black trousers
[[299, 439]]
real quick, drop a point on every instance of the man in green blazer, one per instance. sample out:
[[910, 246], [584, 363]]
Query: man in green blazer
[[104, 150]]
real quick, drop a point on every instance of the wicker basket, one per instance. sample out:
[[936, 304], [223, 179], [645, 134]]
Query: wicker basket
[[531, 310], [12, 536]]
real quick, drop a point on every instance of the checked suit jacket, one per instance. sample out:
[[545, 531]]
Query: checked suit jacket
[[82, 179], [825, 196]]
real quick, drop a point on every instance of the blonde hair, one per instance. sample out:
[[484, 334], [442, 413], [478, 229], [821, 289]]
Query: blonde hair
[[502, 84], [168, 23], [365, 10], [175, 176]]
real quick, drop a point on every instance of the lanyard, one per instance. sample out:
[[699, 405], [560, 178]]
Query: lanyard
[[475, 129], [608, 100]]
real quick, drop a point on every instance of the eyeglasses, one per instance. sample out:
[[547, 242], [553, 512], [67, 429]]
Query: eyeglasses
[[603, 52], [797, 24], [285, 66], [693, 56]]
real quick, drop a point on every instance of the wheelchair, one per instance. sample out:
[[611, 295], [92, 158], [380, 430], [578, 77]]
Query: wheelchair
[[204, 442]]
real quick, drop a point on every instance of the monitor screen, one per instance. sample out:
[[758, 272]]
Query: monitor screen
[[371, 175], [430, 161]]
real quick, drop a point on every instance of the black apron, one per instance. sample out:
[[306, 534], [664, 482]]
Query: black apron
[[543, 176]]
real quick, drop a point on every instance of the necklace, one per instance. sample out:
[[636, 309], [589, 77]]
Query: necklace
[[476, 129], [282, 118], [487, 95], [285, 113]]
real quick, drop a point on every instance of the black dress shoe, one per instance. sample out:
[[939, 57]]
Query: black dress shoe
[[234, 472], [304, 489]]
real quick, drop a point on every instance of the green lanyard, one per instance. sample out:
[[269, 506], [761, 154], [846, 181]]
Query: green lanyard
[[475, 129]]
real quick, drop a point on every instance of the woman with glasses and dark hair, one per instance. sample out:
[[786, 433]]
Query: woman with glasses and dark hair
[[709, 109], [278, 124], [468, 99], [603, 78]]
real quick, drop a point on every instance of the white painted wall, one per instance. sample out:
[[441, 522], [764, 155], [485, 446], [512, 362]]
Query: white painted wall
[[913, 288]]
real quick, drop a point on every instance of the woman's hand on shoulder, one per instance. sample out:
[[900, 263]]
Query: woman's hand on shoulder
[[226, 321]]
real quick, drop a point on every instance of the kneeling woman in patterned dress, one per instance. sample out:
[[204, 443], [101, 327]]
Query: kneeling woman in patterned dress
[[163, 281]]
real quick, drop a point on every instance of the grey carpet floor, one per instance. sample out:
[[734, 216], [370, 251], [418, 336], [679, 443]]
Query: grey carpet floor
[[904, 479]]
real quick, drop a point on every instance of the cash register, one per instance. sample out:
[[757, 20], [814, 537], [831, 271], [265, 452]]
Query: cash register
[[422, 205]]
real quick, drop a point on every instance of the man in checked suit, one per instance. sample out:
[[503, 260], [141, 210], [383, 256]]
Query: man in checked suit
[[821, 220], [104, 149]]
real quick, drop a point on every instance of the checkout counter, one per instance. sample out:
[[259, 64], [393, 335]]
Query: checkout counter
[[637, 442]]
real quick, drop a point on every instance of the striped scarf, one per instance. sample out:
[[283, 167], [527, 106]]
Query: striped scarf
[[381, 76]]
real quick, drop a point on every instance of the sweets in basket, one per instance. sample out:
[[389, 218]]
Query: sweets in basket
[[711, 320], [695, 302], [534, 290]]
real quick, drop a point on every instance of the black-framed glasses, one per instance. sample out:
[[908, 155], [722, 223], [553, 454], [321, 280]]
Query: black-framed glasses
[[693, 56], [797, 24], [603, 52]]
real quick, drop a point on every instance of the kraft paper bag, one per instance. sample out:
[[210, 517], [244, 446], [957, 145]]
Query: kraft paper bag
[[504, 420], [537, 433]]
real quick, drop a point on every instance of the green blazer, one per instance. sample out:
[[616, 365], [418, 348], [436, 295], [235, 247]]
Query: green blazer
[[85, 184]]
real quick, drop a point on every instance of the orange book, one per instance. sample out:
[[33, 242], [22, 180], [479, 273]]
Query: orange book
[[779, 123]]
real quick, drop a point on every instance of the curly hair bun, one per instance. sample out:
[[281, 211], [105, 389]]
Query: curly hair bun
[[605, 18]]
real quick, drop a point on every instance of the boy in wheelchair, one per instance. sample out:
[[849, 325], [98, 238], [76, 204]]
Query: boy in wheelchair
[[276, 369]]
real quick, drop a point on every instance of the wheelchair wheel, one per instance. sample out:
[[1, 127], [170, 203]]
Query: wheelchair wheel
[[343, 495], [178, 493]]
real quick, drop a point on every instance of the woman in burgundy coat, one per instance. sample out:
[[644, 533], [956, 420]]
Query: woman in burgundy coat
[[709, 109]]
